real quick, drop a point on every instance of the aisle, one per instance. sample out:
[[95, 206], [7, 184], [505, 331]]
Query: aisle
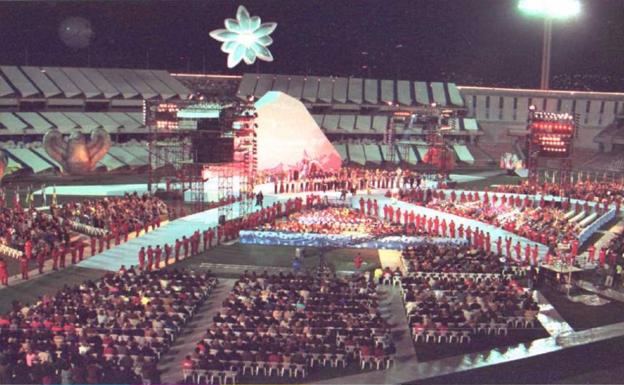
[[170, 364], [393, 311]]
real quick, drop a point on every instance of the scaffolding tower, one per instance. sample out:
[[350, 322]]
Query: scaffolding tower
[[225, 189], [390, 139], [246, 153]]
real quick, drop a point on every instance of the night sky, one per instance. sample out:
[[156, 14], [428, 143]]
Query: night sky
[[484, 42]]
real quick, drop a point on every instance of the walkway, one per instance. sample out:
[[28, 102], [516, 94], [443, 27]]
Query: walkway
[[170, 364], [393, 311], [549, 317], [126, 254]]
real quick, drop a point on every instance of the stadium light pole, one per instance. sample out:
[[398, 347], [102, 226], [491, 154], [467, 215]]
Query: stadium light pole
[[549, 10]]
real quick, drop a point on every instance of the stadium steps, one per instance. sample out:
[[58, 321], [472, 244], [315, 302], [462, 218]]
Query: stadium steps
[[392, 310]]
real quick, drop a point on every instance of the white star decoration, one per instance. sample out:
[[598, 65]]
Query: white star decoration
[[244, 38]]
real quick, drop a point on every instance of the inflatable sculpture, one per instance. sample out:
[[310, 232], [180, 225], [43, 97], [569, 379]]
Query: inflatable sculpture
[[77, 154]]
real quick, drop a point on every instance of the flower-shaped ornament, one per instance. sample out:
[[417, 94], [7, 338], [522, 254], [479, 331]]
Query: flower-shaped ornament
[[245, 38]]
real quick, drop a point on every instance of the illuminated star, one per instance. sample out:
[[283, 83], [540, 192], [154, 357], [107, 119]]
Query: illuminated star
[[244, 38]]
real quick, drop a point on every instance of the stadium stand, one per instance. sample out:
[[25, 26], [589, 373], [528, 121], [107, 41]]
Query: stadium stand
[[346, 109]]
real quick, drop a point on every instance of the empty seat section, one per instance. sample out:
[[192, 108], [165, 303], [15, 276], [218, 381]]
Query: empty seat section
[[42, 153], [373, 154], [281, 83], [5, 88], [340, 90], [111, 163], [48, 89], [422, 94], [11, 123], [137, 83], [470, 124], [454, 95], [404, 96], [295, 88], [104, 121], [173, 83], [125, 156], [371, 95], [19, 81], [318, 119], [139, 152], [246, 86], [326, 90], [310, 89], [508, 109], [36, 121], [363, 124], [408, 154], [385, 151], [117, 81], [126, 121], [421, 151], [82, 121], [341, 148], [608, 114], [355, 90], [594, 112], [356, 153], [387, 91], [60, 121], [380, 124], [439, 96], [551, 104], [80, 80], [62, 81], [330, 123], [30, 159], [100, 82], [156, 84], [463, 154], [347, 123]]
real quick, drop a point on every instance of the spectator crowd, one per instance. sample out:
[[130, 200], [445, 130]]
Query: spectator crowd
[[291, 324], [112, 330]]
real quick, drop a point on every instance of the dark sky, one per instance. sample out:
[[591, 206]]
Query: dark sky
[[467, 41]]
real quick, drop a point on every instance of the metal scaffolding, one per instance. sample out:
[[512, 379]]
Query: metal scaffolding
[[246, 154]]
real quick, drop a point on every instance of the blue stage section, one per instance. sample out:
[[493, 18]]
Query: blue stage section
[[336, 240]]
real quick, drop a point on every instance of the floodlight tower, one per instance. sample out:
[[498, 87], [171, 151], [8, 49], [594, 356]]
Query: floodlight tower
[[549, 10]]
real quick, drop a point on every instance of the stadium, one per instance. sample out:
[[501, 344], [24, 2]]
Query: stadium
[[386, 218]]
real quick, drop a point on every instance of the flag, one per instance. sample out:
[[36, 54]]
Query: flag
[[44, 196], [30, 198], [54, 195], [2, 198], [16, 199]]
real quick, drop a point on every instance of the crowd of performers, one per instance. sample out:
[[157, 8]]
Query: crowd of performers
[[155, 257], [540, 221], [40, 236], [114, 213], [333, 220], [611, 191], [349, 179]]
